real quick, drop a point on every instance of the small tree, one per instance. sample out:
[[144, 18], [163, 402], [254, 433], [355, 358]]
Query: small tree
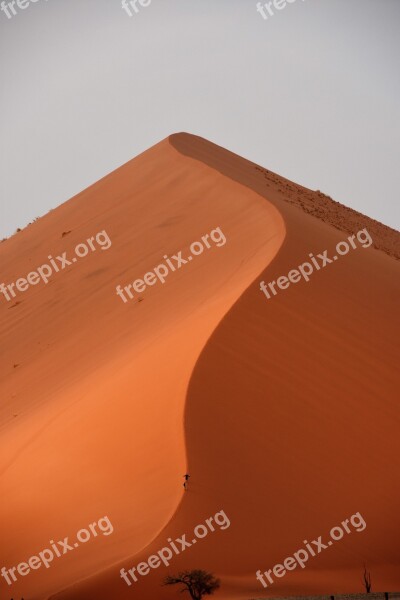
[[367, 580], [197, 583]]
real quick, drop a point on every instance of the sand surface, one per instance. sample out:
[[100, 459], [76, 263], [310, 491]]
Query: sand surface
[[284, 411]]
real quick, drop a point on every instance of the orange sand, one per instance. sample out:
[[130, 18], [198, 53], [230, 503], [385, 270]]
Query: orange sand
[[284, 411]]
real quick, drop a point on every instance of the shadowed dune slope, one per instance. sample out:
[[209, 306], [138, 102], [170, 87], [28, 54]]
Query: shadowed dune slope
[[292, 413], [94, 390]]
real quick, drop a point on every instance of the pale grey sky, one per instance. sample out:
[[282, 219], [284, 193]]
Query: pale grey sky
[[311, 93]]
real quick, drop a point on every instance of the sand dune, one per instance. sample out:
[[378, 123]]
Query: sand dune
[[100, 387], [284, 411]]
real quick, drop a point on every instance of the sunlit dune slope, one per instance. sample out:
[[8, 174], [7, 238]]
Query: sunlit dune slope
[[94, 390]]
